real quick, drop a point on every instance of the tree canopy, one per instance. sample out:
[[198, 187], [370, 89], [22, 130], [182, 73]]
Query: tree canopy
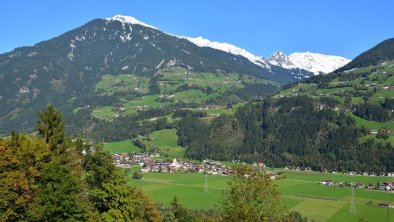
[[252, 196]]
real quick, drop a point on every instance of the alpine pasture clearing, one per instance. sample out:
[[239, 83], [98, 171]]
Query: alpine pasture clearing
[[299, 191], [125, 146], [167, 141], [176, 84]]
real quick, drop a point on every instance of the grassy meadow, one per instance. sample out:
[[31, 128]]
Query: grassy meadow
[[167, 141], [125, 146], [169, 82], [299, 191]]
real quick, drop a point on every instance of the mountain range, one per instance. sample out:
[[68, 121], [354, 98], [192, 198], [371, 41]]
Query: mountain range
[[312, 62], [65, 70]]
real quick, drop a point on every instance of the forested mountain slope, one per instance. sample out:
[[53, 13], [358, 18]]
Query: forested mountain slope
[[343, 121], [73, 69]]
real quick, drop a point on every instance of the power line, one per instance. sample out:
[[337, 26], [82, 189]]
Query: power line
[[352, 204], [206, 181]]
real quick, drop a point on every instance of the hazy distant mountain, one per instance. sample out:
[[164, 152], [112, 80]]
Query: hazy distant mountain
[[312, 62]]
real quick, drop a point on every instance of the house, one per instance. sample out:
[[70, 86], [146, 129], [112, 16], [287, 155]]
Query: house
[[391, 87], [144, 170], [388, 186], [385, 204], [258, 164], [327, 182], [387, 131], [155, 168]]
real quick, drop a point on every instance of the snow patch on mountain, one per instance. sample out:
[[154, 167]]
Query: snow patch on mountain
[[130, 20], [312, 62], [229, 48], [316, 62]]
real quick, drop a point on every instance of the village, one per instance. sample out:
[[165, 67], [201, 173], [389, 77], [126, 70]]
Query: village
[[387, 186], [334, 171], [151, 163]]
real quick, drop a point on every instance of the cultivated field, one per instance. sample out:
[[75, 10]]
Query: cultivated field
[[300, 191]]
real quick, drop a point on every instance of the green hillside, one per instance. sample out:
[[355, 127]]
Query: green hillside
[[382, 52], [351, 90], [174, 85]]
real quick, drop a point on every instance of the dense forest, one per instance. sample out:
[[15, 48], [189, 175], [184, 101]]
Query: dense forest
[[295, 131]]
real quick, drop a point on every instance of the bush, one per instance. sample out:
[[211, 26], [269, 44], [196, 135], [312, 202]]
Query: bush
[[138, 175]]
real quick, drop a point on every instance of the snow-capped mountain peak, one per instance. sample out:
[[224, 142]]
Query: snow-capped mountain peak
[[281, 59], [130, 20], [201, 42], [312, 62], [316, 62], [226, 47]]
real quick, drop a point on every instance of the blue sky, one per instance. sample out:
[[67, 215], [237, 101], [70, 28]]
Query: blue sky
[[338, 27]]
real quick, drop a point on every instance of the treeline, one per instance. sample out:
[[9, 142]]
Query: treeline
[[388, 103], [373, 112], [286, 131], [248, 92], [182, 113]]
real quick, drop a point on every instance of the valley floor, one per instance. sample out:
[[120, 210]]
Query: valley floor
[[300, 191]]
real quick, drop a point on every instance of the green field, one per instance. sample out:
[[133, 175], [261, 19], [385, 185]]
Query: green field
[[373, 125], [121, 147], [167, 141], [110, 84], [300, 191], [104, 112]]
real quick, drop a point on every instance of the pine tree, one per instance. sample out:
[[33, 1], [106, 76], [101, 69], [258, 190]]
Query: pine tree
[[51, 127], [180, 213]]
